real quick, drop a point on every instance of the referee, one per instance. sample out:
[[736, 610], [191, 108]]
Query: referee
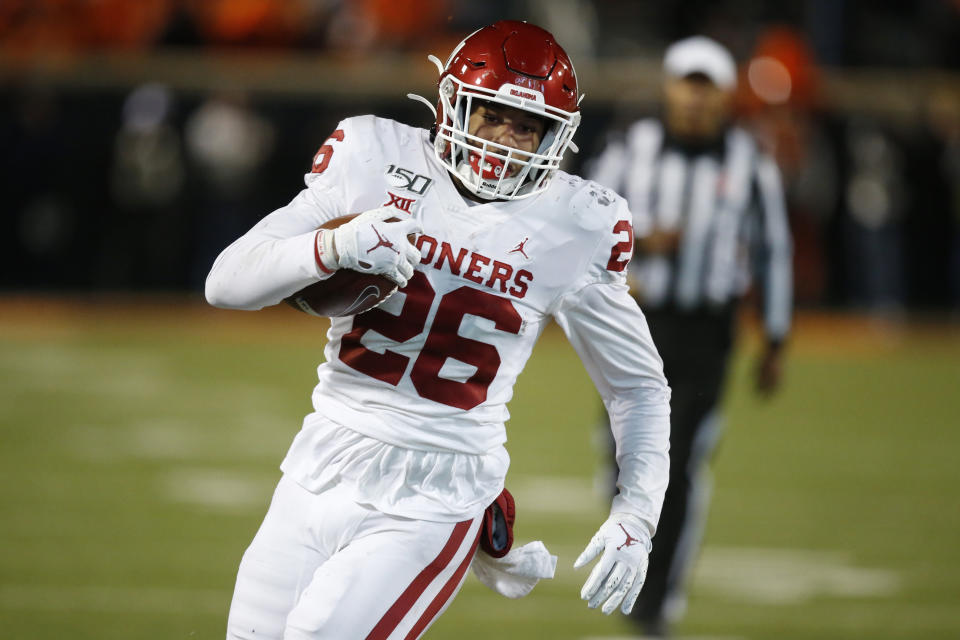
[[709, 220]]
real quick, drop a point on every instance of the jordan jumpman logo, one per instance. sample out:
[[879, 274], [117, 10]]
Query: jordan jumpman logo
[[519, 248], [381, 242], [629, 541]]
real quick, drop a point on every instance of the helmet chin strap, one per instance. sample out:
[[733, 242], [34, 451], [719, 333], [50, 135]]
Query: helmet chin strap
[[473, 180], [492, 167]]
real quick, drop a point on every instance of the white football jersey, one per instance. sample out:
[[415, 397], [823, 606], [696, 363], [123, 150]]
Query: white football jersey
[[431, 370]]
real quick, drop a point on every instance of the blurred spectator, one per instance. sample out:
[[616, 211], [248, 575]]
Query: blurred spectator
[[932, 229], [29, 27], [875, 199], [147, 177], [148, 164], [944, 120], [573, 22], [228, 144], [870, 211], [277, 23], [40, 216], [779, 101], [390, 24]]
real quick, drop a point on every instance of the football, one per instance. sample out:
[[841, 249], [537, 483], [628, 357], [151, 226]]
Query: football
[[346, 292]]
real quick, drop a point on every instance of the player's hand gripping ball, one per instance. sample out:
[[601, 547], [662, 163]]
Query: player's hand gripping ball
[[364, 280]]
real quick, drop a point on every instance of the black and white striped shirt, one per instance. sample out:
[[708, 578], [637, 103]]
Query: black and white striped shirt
[[728, 204]]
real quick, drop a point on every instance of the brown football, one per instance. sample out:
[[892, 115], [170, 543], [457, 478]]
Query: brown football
[[346, 292]]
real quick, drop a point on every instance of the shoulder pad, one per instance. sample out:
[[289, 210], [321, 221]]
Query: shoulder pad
[[594, 206]]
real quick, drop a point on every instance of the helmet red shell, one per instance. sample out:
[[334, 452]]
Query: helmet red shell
[[521, 66], [511, 52]]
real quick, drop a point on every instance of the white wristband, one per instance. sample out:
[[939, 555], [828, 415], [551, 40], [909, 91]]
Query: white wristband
[[323, 253]]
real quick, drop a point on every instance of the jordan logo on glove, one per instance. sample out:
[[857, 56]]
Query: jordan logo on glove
[[381, 242], [630, 539]]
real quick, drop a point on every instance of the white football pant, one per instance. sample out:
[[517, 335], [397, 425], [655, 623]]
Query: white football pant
[[323, 567]]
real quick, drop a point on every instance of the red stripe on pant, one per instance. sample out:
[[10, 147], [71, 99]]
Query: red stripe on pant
[[443, 596], [412, 593]]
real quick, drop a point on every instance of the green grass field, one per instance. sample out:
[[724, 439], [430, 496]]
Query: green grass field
[[141, 444]]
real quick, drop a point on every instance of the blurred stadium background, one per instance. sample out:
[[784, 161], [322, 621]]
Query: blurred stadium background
[[142, 430]]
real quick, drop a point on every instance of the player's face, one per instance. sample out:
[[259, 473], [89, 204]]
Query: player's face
[[508, 126], [696, 109]]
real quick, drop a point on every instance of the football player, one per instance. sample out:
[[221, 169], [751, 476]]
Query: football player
[[376, 518]]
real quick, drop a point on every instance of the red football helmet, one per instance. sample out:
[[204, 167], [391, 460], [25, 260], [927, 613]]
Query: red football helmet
[[515, 64]]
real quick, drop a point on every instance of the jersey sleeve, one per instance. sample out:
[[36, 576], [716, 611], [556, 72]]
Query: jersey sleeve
[[610, 334], [603, 223], [335, 170], [277, 257]]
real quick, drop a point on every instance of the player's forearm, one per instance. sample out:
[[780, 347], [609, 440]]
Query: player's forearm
[[256, 271], [608, 331], [640, 422], [274, 259]]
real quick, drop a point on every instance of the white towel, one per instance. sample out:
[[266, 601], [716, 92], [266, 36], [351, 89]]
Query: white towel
[[517, 573]]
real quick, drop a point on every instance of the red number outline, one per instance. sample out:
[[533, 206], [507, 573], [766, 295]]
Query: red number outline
[[389, 366], [624, 247], [442, 342], [322, 159]]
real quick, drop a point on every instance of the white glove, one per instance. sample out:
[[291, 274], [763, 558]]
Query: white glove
[[370, 244], [618, 577]]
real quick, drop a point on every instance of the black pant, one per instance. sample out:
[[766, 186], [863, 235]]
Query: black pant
[[695, 349]]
